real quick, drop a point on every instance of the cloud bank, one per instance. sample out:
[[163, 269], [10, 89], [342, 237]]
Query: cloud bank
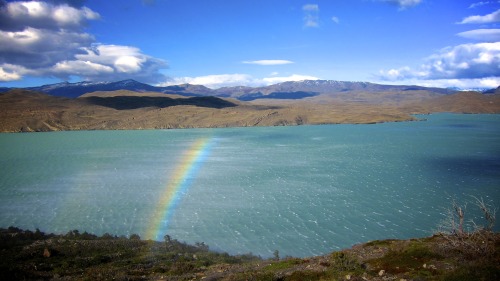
[[466, 66], [482, 3], [467, 61], [231, 80], [268, 62], [489, 18], [47, 39], [484, 35]]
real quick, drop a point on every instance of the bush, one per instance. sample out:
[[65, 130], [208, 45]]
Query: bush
[[409, 259], [135, 237], [471, 239], [344, 262]]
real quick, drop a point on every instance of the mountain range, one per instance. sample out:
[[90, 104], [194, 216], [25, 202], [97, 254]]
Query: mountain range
[[129, 104], [285, 90]]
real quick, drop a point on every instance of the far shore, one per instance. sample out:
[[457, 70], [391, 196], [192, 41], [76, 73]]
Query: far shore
[[25, 111]]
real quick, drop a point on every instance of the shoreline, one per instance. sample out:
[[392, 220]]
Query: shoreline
[[44, 127], [413, 118]]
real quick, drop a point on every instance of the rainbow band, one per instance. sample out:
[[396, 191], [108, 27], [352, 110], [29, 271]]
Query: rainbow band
[[182, 178]]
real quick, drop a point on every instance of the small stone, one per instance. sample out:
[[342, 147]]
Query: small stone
[[46, 253], [381, 272], [348, 277], [425, 265]]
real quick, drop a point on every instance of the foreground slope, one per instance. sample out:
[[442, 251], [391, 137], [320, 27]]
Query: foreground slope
[[28, 255]]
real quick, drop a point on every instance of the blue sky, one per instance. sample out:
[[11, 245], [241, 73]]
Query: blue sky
[[219, 43]]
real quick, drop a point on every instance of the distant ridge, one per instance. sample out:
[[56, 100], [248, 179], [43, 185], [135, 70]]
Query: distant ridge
[[285, 90], [73, 90], [24, 110]]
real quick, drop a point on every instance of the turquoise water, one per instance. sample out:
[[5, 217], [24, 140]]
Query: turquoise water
[[303, 190]]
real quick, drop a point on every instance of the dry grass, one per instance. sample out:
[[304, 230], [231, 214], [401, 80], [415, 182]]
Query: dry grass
[[27, 111]]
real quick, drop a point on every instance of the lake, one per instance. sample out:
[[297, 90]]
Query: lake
[[304, 190]]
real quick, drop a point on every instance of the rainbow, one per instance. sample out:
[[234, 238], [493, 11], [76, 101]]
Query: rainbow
[[181, 179]]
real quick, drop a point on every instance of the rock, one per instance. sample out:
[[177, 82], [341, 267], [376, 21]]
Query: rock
[[381, 272], [348, 277], [46, 253]]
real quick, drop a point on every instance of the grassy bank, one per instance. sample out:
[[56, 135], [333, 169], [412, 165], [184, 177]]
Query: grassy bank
[[34, 255]]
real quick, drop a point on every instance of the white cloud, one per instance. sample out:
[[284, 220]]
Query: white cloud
[[39, 38], [81, 68], [229, 80], [310, 7], [403, 4], [484, 35], [489, 18], [40, 48], [128, 64], [8, 74], [268, 62], [65, 15], [488, 83], [311, 15], [37, 14], [294, 77], [396, 74], [467, 61], [212, 81], [482, 3], [125, 61], [73, 3], [335, 19]]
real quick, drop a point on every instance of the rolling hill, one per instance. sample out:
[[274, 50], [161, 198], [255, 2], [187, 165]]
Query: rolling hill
[[133, 105]]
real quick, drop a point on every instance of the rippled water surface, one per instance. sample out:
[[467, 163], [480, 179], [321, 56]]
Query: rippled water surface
[[303, 190]]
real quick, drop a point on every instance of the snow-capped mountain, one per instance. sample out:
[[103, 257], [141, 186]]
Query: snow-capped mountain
[[285, 90]]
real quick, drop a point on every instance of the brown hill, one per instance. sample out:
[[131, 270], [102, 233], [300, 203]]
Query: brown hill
[[24, 111], [462, 102]]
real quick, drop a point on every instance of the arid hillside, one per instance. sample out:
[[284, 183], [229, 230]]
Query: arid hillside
[[26, 111]]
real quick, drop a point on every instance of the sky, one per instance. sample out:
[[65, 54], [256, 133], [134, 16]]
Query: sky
[[217, 43]]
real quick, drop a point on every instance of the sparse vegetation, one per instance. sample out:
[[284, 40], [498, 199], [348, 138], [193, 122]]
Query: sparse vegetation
[[470, 238], [34, 255]]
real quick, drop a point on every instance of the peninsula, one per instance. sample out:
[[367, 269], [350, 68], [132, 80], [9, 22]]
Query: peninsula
[[132, 105]]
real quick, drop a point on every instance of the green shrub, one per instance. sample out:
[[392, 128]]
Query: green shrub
[[344, 263], [135, 237], [410, 259], [284, 264], [306, 275], [479, 273]]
